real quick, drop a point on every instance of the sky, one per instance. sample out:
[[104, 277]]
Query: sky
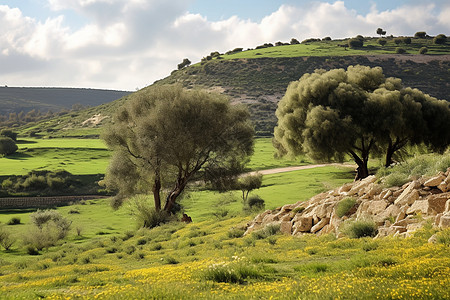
[[129, 44]]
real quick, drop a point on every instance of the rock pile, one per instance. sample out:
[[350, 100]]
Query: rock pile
[[396, 210]]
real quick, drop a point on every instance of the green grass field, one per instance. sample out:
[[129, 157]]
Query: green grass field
[[90, 156], [331, 48]]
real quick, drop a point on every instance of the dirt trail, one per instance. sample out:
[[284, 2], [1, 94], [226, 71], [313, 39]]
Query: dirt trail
[[296, 168]]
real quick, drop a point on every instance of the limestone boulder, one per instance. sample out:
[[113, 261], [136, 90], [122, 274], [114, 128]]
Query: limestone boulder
[[360, 187], [302, 224], [409, 195], [435, 181], [444, 221], [320, 225], [286, 227]]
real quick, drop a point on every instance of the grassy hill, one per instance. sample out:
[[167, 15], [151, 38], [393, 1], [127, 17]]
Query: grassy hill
[[17, 99], [259, 77]]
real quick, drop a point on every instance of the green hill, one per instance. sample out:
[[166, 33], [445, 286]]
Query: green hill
[[17, 99], [259, 77]]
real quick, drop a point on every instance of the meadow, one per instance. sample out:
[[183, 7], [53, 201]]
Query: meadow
[[106, 255]]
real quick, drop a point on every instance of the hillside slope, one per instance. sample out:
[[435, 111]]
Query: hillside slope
[[17, 99], [260, 77]]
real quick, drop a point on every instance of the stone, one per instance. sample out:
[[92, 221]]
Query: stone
[[437, 219], [408, 196], [345, 188], [320, 225], [433, 239], [385, 194], [375, 189], [444, 221], [435, 181], [303, 224], [390, 213], [444, 186], [447, 206], [362, 185], [286, 227], [437, 203]]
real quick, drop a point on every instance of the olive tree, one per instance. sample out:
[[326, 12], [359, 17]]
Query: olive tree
[[7, 146], [164, 135], [357, 112]]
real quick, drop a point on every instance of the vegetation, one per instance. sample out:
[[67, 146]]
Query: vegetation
[[164, 136], [357, 112], [360, 229], [249, 183], [7, 146], [344, 206]]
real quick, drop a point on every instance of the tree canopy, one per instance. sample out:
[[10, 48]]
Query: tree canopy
[[357, 112], [164, 135], [7, 146]]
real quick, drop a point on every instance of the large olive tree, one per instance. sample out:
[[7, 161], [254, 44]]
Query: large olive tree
[[357, 112], [164, 135]]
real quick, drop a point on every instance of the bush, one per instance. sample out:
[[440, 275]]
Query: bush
[[14, 221], [267, 231], [355, 43], [344, 206], [230, 273], [9, 133], [407, 40], [7, 146], [443, 237], [360, 228], [145, 214], [236, 232], [382, 42], [440, 39], [6, 239], [423, 50], [255, 203], [420, 34], [396, 179], [398, 41], [400, 50]]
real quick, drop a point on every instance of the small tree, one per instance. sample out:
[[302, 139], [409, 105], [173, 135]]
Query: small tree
[[407, 40], [163, 136], [294, 41], [420, 34], [400, 50], [398, 41], [249, 183], [355, 43], [7, 146], [186, 62], [380, 31]]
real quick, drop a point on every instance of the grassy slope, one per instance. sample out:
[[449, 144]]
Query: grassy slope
[[259, 78]]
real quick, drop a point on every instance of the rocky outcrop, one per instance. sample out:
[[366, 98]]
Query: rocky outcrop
[[396, 210]]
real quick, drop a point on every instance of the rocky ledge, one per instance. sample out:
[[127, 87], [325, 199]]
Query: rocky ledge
[[396, 210]]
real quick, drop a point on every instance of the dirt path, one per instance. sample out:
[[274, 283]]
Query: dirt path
[[296, 168]]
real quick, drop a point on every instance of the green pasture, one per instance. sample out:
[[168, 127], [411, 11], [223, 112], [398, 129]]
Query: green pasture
[[331, 48], [90, 156]]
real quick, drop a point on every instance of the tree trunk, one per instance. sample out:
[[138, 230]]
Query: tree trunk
[[362, 171], [156, 194], [389, 152]]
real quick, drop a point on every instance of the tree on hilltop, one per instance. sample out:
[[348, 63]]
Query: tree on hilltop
[[164, 135], [185, 63], [357, 112]]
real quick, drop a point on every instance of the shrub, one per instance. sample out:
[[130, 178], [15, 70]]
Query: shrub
[[6, 239], [9, 133], [355, 43], [344, 206], [255, 203], [382, 42], [398, 41], [440, 39], [267, 231], [443, 237], [407, 40], [420, 34], [230, 273], [423, 50], [294, 41], [145, 213], [400, 50], [7, 146], [236, 232], [360, 228], [14, 221], [396, 179]]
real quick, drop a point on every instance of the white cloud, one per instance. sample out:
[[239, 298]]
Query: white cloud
[[131, 43]]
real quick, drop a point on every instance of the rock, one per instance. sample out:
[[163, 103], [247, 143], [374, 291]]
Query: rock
[[405, 222], [385, 194], [435, 181], [444, 186], [444, 221], [320, 225], [303, 224], [259, 218], [437, 219], [362, 185], [375, 189], [433, 239], [391, 212], [447, 206], [409, 195], [345, 188], [286, 227]]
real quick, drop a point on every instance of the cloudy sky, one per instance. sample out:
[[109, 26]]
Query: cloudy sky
[[128, 44]]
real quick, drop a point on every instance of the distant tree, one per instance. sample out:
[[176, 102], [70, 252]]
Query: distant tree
[[380, 31], [358, 112], [163, 136], [326, 38], [423, 50], [9, 133], [7, 146], [382, 42], [355, 43], [420, 34], [294, 41], [186, 62], [249, 183], [440, 39], [407, 40]]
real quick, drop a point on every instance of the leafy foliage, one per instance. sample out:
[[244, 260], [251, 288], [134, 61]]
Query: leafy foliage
[[7, 146], [344, 206], [359, 229]]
